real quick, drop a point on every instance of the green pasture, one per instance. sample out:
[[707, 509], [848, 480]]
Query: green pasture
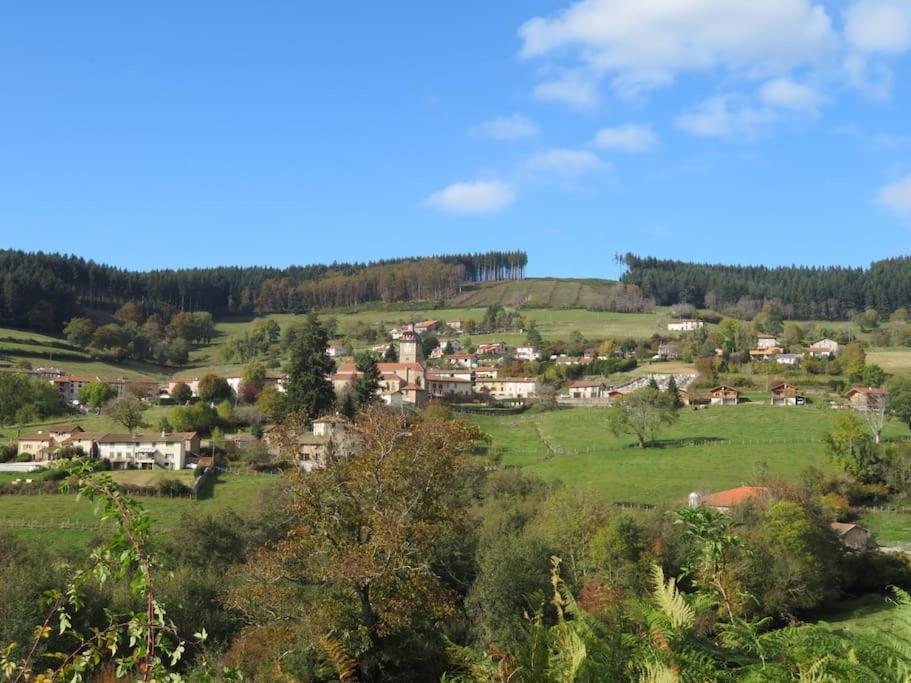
[[240, 492], [706, 450]]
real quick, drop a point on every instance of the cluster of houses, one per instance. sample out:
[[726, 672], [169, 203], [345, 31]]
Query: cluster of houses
[[166, 450], [409, 382], [769, 348]]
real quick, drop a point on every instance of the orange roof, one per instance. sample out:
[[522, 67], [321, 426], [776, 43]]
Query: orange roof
[[867, 391], [741, 494]]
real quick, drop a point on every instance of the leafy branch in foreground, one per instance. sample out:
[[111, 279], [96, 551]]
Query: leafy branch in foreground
[[141, 642]]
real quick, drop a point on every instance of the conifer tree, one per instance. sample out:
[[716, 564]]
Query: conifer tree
[[308, 388]]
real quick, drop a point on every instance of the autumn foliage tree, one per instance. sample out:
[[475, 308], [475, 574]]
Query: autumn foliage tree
[[362, 568]]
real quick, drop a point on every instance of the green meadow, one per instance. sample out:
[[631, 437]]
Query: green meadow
[[706, 450]]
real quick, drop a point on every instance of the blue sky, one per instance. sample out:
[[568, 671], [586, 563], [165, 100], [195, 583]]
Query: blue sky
[[183, 134]]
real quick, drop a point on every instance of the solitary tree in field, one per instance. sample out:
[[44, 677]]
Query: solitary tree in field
[[642, 414], [128, 411]]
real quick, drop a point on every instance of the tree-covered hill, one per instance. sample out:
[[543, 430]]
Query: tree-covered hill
[[42, 291], [829, 293]]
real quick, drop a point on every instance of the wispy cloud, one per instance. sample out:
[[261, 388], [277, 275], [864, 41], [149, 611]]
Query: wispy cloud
[[724, 117], [507, 128], [632, 137], [573, 89], [473, 197], [788, 94], [896, 196], [565, 162]]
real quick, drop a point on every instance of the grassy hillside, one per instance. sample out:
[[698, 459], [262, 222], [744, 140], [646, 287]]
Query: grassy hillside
[[536, 293], [706, 450]]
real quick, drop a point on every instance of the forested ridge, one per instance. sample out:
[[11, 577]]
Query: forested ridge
[[830, 292], [42, 291]]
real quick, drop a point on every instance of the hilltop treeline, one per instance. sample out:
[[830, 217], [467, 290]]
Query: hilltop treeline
[[828, 293], [42, 291]]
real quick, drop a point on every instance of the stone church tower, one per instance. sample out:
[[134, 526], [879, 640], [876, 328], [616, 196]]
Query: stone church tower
[[410, 348]]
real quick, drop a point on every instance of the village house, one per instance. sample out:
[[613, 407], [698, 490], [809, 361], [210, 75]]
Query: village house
[[865, 398], [684, 325], [825, 347], [723, 396], [786, 394], [526, 353], [764, 341], [42, 445], [437, 353], [424, 326], [455, 325], [486, 372], [723, 501], [669, 351], [509, 387], [587, 389], [144, 451], [457, 372], [442, 386], [331, 434], [396, 333], [465, 360], [765, 352], [853, 536], [788, 359], [491, 349]]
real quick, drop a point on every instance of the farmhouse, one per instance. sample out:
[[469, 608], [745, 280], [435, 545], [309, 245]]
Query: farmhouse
[[69, 386], [723, 396], [687, 325], [865, 398], [853, 536], [723, 501], [587, 388], [825, 347], [509, 387], [786, 394], [455, 325], [38, 446], [764, 341]]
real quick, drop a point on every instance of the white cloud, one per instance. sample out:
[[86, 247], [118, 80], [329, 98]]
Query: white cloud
[[572, 89], [723, 117], [473, 197], [787, 94], [882, 26], [896, 196], [642, 44], [507, 127], [631, 137], [565, 162]]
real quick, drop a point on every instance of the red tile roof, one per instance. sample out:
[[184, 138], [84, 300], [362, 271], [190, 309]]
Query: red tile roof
[[730, 497]]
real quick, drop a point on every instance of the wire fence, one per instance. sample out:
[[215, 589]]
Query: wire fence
[[68, 524]]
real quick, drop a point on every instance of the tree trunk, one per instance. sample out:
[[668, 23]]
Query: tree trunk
[[367, 665]]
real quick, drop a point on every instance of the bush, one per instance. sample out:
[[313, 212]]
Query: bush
[[8, 452], [173, 487]]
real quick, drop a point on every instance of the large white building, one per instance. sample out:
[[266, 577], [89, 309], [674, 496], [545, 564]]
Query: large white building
[[144, 451], [684, 325]]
